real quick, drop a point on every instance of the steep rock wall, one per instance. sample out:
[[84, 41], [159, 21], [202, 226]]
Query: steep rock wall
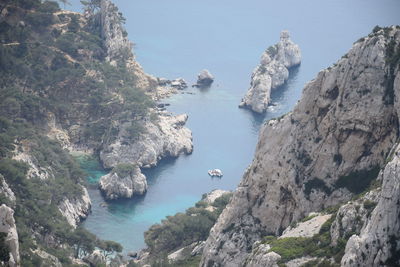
[[328, 148]]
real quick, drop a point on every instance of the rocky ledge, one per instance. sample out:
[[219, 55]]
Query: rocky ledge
[[271, 73], [117, 185]]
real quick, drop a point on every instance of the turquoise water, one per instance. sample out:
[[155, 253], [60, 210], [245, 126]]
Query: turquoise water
[[178, 38]]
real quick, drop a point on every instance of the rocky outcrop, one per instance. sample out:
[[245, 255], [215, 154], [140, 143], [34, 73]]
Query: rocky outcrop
[[307, 228], [166, 138], [7, 225], [271, 73], [114, 187], [204, 79], [378, 242], [6, 191], [76, 209], [329, 148], [118, 46], [95, 259], [261, 256], [351, 216]]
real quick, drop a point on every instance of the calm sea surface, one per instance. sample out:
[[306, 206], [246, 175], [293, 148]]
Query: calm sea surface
[[178, 38]]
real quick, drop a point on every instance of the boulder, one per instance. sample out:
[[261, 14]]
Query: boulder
[[204, 79]]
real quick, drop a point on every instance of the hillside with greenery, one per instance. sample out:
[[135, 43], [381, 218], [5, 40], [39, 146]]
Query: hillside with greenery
[[53, 71]]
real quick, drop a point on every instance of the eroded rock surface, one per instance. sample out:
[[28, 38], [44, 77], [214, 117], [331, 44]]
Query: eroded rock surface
[[7, 225], [378, 242], [167, 137], [115, 187], [77, 208], [329, 148], [271, 73]]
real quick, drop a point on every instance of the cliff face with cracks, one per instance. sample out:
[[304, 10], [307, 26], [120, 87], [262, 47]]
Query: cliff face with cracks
[[271, 73], [7, 226], [329, 148]]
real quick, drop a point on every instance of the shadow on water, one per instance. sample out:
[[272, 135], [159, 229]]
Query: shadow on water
[[155, 173], [280, 100]]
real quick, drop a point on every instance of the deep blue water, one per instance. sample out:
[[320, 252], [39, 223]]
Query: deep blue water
[[178, 38]]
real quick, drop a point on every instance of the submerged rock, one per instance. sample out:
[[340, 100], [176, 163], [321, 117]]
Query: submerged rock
[[271, 73], [204, 79], [115, 185]]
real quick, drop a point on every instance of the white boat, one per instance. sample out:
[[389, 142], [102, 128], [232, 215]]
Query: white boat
[[215, 172]]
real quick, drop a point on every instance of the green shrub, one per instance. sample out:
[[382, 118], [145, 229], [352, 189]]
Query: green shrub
[[124, 169], [357, 181], [183, 229]]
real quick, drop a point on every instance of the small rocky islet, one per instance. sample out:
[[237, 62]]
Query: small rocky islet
[[271, 73]]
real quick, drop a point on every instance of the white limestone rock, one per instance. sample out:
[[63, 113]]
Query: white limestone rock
[[76, 209], [260, 256], [352, 216], [308, 228], [7, 225], [6, 191], [213, 195], [118, 46], [271, 73], [166, 138], [346, 121], [378, 242], [204, 79], [114, 187]]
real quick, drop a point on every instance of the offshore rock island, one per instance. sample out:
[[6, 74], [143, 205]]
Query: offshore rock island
[[271, 73]]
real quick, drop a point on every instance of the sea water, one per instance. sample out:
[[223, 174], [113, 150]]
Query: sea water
[[178, 38]]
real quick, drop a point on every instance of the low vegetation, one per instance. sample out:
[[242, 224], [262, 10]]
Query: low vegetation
[[317, 246], [183, 229]]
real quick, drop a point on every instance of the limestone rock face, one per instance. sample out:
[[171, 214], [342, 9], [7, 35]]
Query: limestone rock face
[[261, 257], [167, 137], [7, 225], [344, 126], [271, 73], [95, 259], [6, 191], [76, 209], [118, 46], [115, 187], [377, 244]]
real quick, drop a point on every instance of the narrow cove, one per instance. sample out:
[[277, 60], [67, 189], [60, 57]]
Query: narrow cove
[[224, 136]]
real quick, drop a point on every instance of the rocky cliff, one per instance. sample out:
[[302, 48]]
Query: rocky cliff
[[271, 73], [7, 226], [327, 150]]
